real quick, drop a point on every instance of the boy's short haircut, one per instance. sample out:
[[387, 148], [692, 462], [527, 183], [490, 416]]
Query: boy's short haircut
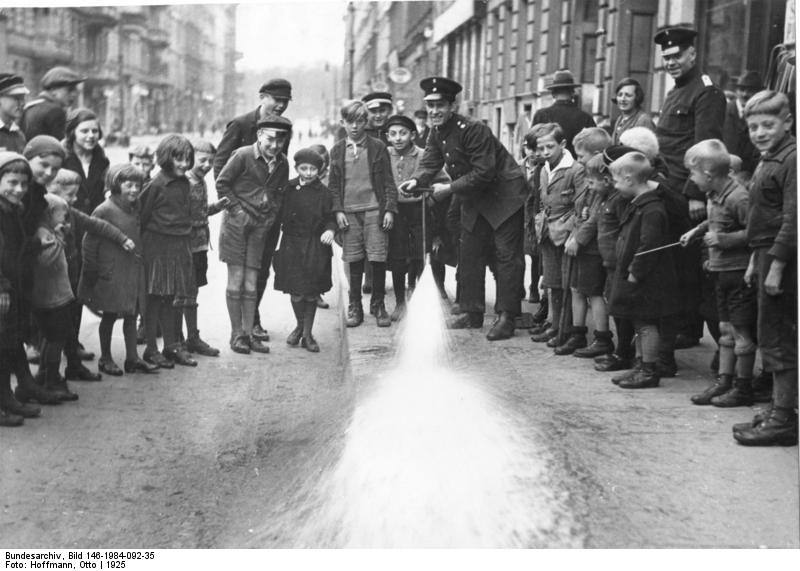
[[203, 146], [643, 139], [353, 111], [54, 204], [530, 138], [119, 173], [596, 167], [634, 165], [593, 140], [141, 151], [66, 177], [768, 103], [171, 147], [709, 156], [19, 166], [736, 163], [549, 130]]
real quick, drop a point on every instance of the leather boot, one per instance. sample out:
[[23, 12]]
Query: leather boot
[[355, 314], [541, 315], [780, 428], [55, 383], [381, 316], [666, 366], [540, 328], [29, 390], [601, 345], [762, 387], [613, 362], [719, 387], [468, 320], [503, 328], [645, 378], [9, 419], [740, 395], [9, 404], [628, 375], [576, 340], [178, 355], [546, 335], [759, 417]]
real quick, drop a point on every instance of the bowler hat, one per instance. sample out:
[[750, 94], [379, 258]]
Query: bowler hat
[[403, 121], [562, 79], [277, 88], [377, 98], [750, 79], [60, 76], [11, 85], [673, 39], [275, 122], [436, 88]]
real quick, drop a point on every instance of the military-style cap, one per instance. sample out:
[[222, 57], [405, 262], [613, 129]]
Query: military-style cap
[[12, 85], [403, 121], [562, 79], [421, 113], [751, 80], [437, 88], [61, 77], [309, 157], [376, 99], [614, 152], [675, 39], [277, 88], [275, 123]]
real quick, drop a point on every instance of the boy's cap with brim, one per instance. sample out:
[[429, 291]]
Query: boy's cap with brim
[[675, 39], [7, 157], [43, 145], [403, 121], [277, 88], [61, 77], [12, 85], [614, 152], [376, 99], [275, 123], [438, 88]]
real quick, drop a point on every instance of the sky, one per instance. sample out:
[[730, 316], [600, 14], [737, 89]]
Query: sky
[[290, 32]]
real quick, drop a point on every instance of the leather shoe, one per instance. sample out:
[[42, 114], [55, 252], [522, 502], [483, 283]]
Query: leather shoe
[[666, 366], [257, 346], [321, 303], [601, 345], [545, 336], [741, 394], [12, 406], [778, 429], [157, 359], [196, 345], [469, 320], [109, 367], [613, 362], [503, 328], [381, 316], [576, 340], [82, 374], [628, 375], [355, 314], [83, 354], [178, 355], [28, 390], [644, 378], [719, 387], [140, 366], [293, 338], [540, 328], [310, 344], [759, 417], [260, 333], [241, 344], [10, 419]]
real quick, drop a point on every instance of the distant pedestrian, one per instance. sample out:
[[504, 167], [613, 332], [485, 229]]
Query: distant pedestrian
[[563, 110], [303, 262], [423, 128], [47, 113], [12, 100]]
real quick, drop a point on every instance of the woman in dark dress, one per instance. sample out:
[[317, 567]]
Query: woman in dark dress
[[303, 261]]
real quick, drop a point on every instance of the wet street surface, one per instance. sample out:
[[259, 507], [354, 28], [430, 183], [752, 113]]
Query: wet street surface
[[397, 437]]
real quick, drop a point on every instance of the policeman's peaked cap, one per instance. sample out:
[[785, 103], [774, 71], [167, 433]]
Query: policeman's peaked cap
[[437, 88], [674, 39]]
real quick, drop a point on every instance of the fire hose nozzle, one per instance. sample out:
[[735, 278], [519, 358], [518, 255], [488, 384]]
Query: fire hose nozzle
[[419, 190]]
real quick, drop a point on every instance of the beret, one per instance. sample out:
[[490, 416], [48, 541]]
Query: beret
[[43, 145], [309, 156]]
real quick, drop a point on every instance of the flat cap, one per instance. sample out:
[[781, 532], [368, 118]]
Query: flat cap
[[60, 76], [403, 121], [274, 122], [376, 99], [277, 88], [43, 145], [674, 39], [437, 88], [11, 85], [310, 157]]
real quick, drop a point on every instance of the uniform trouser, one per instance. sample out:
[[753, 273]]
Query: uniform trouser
[[503, 246], [266, 261]]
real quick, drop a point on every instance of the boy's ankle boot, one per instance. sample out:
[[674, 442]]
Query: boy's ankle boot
[[29, 390], [628, 375], [740, 395], [355, 314], [719, 387], [576, 340], [779, 428], [601, 345], [382, 318], [645, 378], [666, 366], [541, 315]]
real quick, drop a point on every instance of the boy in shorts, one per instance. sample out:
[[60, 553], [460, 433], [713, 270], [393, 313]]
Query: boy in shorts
[[365, 203], [253, 180]]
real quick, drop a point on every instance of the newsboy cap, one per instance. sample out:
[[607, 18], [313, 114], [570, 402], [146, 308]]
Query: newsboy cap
[[274, 122], [60, 76], [43, 145], [403, 121], [310, 157], [376, 99], [674, 39], [11, 85], [437, 88], [277, 88], [750, 79]]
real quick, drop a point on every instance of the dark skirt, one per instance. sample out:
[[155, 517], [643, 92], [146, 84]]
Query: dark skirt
[[302, 266], [168, 266]]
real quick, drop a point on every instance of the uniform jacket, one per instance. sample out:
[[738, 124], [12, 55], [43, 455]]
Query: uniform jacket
[[772, 221], [44, 116], [693, 111], [568, 115], [487, 179], [113, 279], [240, 132], [737, 138], [92, 190], [11, 138], [643, 227], [380, 174]]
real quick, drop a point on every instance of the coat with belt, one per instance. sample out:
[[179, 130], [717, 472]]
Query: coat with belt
[[643, 227], [486, 178], [380, 174], [112, 279]]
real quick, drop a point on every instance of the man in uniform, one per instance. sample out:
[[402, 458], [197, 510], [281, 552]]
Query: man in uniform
[[379, 106], [491, 187], [47, 114], [693, 111], [563, 110], [12, 99], [274, 95]]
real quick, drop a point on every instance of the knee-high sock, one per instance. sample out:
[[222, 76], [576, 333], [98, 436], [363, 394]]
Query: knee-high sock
[[190, 312], [399, 283], [378, 281], [299, 309], [233, 299], [249, 302], [105, 330], [356, 276], [308, 317], [151, 317]]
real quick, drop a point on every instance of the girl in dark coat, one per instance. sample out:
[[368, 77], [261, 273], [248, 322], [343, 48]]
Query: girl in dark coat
[[644, 286], [303, 262], [86, 157]]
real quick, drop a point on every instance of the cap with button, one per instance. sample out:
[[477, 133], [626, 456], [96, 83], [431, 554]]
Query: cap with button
[[675, 39], [403, 121], [438, 88], [614, 152]]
